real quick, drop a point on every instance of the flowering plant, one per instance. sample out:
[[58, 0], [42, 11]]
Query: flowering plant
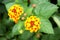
[[29, 19]]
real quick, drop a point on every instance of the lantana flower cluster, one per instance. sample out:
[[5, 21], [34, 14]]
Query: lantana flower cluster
[[32, 23], [14, 12]]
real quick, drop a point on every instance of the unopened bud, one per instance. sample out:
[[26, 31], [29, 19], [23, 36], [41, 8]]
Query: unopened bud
[[21, 31], [38, 35], [25, 14], [33, 5], [22, 18]]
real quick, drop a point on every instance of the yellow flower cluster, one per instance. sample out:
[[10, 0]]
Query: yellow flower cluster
[[14, 12], [32, 24]]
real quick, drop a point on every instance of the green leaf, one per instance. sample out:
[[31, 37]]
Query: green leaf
[[22, 2], [44, 37], [3, 38], [9, 35], [1, 1], [25, 0], [2, 7], [17, 28], [29, 11], [35, 38], [57, 33], [56, 18], [48, 37], [56, 36], [46, 26], [57, 30], [13, 39], [8, 1], [2, 29], [37, 2], [8, 5], [45, 9], [26, 35], [58, 2]]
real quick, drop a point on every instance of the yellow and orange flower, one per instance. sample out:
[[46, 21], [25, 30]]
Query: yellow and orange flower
[[14, 12], [32, 24]]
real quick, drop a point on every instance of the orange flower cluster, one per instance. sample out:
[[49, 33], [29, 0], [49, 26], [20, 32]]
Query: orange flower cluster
[[14, 12], [32, 24]]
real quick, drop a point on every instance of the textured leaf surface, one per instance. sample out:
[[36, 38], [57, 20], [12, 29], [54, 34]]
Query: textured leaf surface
[[45, 9], [46, 26]]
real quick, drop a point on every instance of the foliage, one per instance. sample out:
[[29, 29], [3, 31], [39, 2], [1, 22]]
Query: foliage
[[42, 9]]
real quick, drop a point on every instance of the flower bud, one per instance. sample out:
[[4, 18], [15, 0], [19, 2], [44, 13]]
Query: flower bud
[[38, 35], [33, 5], [22, 18], [25, 14], [21, 31]]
